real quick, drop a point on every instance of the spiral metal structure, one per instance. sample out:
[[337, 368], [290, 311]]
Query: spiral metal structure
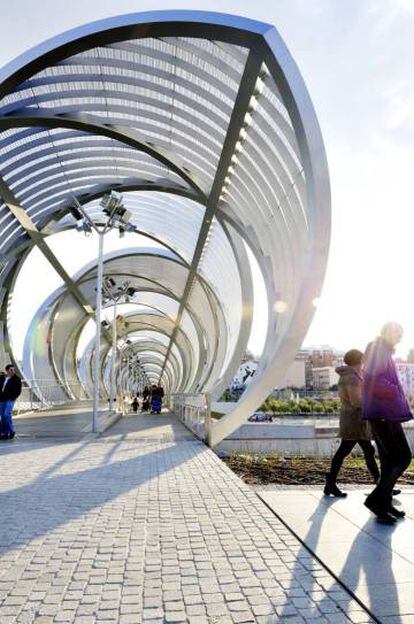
[[203, 122]]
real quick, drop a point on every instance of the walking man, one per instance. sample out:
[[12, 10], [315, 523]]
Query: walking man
[[386, 407], [10, 389]]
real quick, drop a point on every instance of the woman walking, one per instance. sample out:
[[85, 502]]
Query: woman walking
[[386, 407], [352, 429]]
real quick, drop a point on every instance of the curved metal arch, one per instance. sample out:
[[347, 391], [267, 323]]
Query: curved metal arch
[[140, 346], [214, 305], [136, 332], [61, 295], [151, 324], [191, 314], [45, 169], [129, 97], [157, 347], [185, 354], [124, 187], [143, 69], [150, 365], [173, 373], [215, 26], [83, 279], [158, 311], [94, 108], [197, 327], [91, 125], [284, 332], [86, 279]]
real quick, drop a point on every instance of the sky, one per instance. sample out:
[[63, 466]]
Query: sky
[[357, 60]]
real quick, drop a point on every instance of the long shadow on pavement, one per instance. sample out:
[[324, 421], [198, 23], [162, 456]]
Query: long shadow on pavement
[[365, 561], [46, 503], [314, 578]]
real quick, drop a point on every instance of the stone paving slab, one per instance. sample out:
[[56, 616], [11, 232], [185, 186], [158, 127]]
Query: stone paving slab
[[135, 531], [375, 562]]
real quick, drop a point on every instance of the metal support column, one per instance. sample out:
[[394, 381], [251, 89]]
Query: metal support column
[[97, 362], [113, 360]]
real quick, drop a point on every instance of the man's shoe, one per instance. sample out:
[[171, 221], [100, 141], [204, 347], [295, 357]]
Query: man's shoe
[[397, 513], [3, 437], [396, 492], [386, 518], [376, 508], [12, 435]]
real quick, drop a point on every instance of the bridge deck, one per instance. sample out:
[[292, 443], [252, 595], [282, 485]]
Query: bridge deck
[[145, 524]]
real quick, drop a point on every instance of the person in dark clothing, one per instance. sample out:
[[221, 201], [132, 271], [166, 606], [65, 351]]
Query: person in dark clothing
[[134, 404], [157, 391], [352, 429], [146, 399], [157, 394], [10, 389], [386, 407]]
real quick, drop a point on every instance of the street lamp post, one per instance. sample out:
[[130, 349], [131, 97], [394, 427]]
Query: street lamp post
[[98, 313], [117, 217], [115, 293], [112, 394]]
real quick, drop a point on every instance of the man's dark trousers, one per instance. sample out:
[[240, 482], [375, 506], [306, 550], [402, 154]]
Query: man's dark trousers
[[395, 457]]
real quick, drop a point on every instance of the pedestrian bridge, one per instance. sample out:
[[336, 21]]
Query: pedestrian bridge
[[202, 126]]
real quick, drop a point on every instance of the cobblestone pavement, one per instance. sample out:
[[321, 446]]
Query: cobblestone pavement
[[133, 530]]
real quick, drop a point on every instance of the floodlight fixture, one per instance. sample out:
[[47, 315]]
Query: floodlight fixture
[[111, 202], [110, 282], [83, 226]]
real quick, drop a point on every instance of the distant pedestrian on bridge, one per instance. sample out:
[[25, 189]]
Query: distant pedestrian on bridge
[[135, 404], [146, 395], [386, 407], [352, 429], [10, 390], [157, 395]]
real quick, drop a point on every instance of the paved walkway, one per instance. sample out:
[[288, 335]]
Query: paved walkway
[[375, 562], [65, 422], [148, 527]]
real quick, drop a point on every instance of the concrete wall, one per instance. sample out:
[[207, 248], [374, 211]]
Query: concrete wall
[[288, 440]]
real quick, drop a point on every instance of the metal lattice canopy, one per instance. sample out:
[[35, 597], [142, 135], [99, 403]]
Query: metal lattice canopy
[[203, 122]]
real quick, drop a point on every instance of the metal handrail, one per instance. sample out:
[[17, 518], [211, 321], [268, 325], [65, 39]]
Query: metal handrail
[[194, 411], [43, 394]]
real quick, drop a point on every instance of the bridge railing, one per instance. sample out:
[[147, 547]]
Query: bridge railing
[[42, 395], [194, 411]]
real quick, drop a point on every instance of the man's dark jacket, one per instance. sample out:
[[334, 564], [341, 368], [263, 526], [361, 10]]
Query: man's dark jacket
[[12, 390]]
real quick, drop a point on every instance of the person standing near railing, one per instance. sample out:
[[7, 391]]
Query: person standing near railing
[[10, 390]]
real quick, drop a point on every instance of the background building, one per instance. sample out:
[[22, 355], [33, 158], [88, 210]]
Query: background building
[[324, 377], [405, 371]]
